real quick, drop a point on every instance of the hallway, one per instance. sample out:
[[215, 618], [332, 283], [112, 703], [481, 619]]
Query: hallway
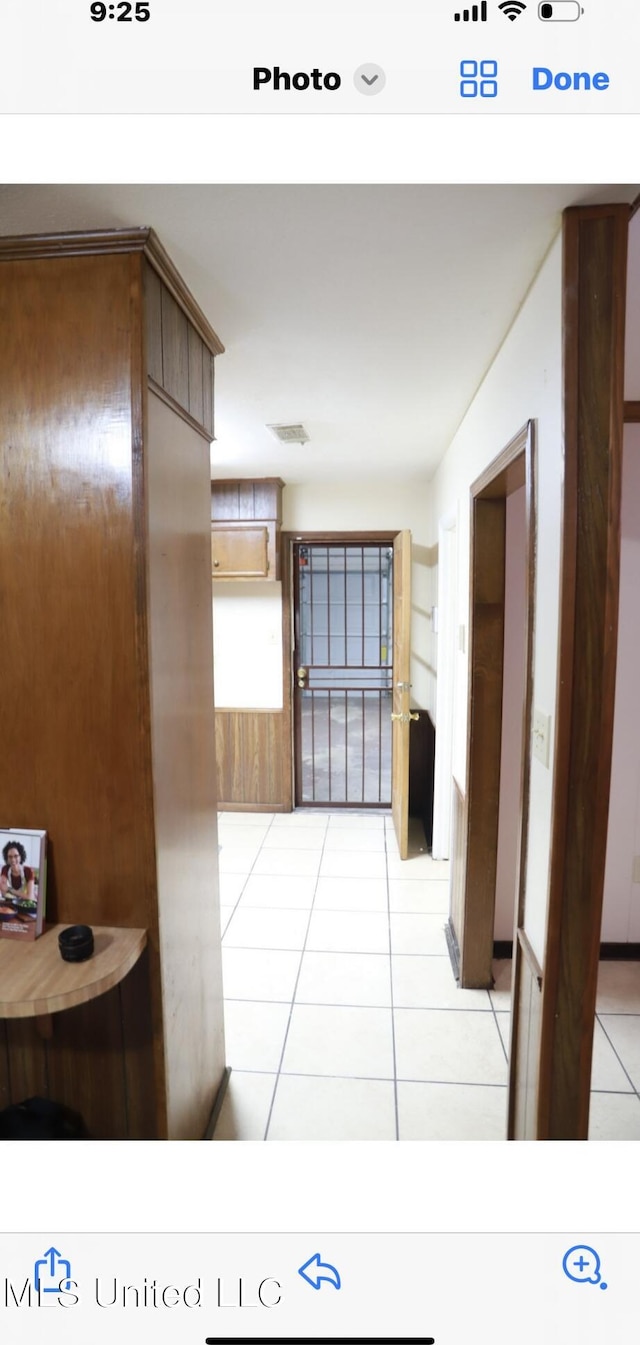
[[343, 1020]]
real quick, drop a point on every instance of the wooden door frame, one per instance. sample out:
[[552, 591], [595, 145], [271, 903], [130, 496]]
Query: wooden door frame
[[515, 466], [445, 684], [371, 536], [594, 299]]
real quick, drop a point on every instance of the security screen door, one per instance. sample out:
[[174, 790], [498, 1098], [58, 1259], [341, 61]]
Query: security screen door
[[343, 673]]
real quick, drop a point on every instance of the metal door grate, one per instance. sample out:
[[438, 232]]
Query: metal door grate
[[344, 623]]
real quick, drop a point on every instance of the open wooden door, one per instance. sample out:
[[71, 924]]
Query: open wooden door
[[401, 687]]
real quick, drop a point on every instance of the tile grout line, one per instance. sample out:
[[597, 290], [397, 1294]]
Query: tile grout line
[[346, 1004], [497, 1025], [383, 1078], [618, 1057], [393, 1025], [235, 907], [244, 884], [295, 987]]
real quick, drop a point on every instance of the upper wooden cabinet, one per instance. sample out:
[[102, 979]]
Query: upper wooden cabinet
[[246, 518]]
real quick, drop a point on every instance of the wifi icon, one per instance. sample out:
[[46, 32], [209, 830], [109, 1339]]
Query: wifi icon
[[512, 9]]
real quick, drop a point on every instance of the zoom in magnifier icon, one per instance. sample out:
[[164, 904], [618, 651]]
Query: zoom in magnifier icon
[[582, 1264]]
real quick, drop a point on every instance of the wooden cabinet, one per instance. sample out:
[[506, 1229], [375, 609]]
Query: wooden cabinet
[[246, 518], [240, 553], [106, 418]]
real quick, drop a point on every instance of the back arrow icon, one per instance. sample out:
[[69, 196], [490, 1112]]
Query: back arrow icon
[[315, 1278]]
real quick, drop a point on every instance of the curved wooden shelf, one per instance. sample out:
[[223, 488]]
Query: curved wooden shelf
[[34, 980]]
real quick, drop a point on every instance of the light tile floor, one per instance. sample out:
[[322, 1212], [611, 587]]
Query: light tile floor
[[342, 1016]]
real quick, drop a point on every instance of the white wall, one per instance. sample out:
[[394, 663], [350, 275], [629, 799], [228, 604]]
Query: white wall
[[523, 383], [621, 909], [621, 906], [357, 503], [247, 644]]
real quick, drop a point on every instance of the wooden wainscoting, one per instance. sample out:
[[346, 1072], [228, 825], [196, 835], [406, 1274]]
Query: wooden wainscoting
[[254, 768]]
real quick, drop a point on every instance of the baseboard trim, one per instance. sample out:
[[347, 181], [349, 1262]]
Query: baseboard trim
[[609, 952], [502, 948], [454, 951], [620, 952], [253, 808]]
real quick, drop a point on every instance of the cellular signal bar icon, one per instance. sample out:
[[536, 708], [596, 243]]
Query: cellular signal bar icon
[[477, 13]]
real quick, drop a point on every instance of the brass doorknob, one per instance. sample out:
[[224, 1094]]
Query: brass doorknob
[[302, 675]]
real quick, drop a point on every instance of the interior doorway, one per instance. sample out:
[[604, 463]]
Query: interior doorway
[[473, 889]]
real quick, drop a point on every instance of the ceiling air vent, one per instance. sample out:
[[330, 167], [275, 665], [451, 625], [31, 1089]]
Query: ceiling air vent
[[289, 434]]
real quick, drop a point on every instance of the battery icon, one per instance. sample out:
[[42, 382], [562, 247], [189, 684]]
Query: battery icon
[[561, 11]]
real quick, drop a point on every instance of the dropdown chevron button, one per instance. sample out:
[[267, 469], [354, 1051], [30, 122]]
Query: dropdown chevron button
[[369, 79]]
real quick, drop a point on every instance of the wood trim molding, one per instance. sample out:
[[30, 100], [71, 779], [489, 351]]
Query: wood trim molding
[[631, 412], [510, 470], [159, 258], [248, 710], [286, 571], [346, 538], [96, 242], [89, 243], [594, 284], [528, 953], [179, 410], [506, 473]]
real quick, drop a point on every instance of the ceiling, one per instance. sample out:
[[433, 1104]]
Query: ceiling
[[369, 313]]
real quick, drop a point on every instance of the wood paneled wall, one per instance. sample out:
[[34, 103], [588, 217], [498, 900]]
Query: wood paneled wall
[[97, 1060], [106, 607], [71, 577], [178, 360], [254, 769]]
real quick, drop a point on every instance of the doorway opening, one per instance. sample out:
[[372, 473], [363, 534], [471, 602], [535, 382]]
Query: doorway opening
[[471, 929], [343, 632]]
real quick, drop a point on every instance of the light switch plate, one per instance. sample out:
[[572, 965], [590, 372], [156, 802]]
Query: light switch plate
[[541, 736]]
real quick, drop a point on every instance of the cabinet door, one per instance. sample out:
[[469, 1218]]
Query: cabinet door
[[240, 552]]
